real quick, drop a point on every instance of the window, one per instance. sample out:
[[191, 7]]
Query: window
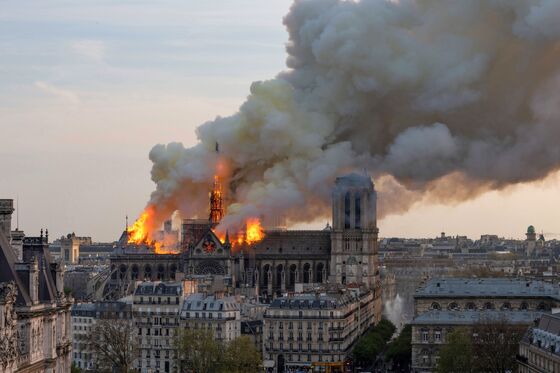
[[437, 336], [425, 335]]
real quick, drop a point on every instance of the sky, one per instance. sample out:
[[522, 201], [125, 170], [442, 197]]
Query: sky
[[88, 87]]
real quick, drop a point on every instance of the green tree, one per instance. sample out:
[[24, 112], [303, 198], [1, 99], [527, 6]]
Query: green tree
[[372, 343], [400, 350], [457, 355], [198, 351], [241, 356], [74, 368]]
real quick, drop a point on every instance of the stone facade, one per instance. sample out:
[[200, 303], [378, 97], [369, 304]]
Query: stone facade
[[34, 311], [304, 331], [539, 350], [157, 310], [464, 294], [84, 317], [430, 331]]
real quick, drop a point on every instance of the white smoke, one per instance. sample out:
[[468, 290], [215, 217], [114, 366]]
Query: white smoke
[[439, 100], [393, 310]]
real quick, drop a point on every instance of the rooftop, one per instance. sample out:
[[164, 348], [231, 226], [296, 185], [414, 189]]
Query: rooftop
[[159, 288], [472, 317], [202, 302], [490, 287]]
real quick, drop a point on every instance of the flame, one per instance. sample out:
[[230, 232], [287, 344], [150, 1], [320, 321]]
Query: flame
[[254, 232], [138, 233], [251, 234]]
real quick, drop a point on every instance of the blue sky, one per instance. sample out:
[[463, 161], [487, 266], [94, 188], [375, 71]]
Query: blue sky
[[88, 87]]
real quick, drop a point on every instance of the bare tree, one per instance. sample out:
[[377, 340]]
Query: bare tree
[[495, 344], [114, 345]]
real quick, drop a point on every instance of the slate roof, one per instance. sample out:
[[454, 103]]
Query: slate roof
[[312, 301], [550, 323], [486, 287], [200, 302], [159, 288]]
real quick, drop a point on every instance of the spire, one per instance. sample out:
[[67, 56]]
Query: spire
[[216, 207], [227, 238]]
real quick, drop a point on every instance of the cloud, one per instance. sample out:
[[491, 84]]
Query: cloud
[[92, 49], [57, 92]]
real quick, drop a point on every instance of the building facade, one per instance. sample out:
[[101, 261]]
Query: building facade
[[156, 310], [219, 314], [539, 350], [84, 317], [304, 331], [430, 331], [34, 310], [468, 294]]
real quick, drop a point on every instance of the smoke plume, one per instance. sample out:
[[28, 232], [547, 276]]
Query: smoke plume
[[439, 100]]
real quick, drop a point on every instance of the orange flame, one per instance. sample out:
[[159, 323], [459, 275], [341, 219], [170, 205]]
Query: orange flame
[[252, 234], [138, 233]]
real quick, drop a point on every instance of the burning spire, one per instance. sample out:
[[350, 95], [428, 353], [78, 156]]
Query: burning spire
[[216, 203]]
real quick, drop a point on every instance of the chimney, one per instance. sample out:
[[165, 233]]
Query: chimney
[[6, 210]]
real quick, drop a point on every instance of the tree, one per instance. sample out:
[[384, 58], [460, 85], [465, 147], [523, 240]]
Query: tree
[[372, 343], [114, 345], [241, 356], [400, 350], [198, 351], [457, 355], [495, 344], [74, 368]]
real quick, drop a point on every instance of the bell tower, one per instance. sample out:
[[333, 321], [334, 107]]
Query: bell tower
[[354, 248]]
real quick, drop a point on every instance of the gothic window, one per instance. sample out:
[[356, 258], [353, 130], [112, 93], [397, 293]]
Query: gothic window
[[347, 210], [319, 271], [357, 212], [306, 269]]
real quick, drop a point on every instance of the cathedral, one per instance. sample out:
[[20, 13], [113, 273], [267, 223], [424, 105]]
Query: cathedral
[[345, 253]]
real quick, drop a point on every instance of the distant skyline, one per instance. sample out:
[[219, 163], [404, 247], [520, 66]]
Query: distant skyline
[[86, 90]]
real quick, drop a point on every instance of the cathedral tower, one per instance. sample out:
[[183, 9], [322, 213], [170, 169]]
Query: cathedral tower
[[354, 232]]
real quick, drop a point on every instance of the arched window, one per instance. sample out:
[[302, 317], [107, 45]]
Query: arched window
[[357, 212], [148, 272], [292, 281], [471, 306], [506, 306], [161, 272], [489, 306], [319, 271], [279, 269], [524, 306], [435, 306], [264, 275], [347, 210], [306, 269], [453, 306], [134, 272]]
